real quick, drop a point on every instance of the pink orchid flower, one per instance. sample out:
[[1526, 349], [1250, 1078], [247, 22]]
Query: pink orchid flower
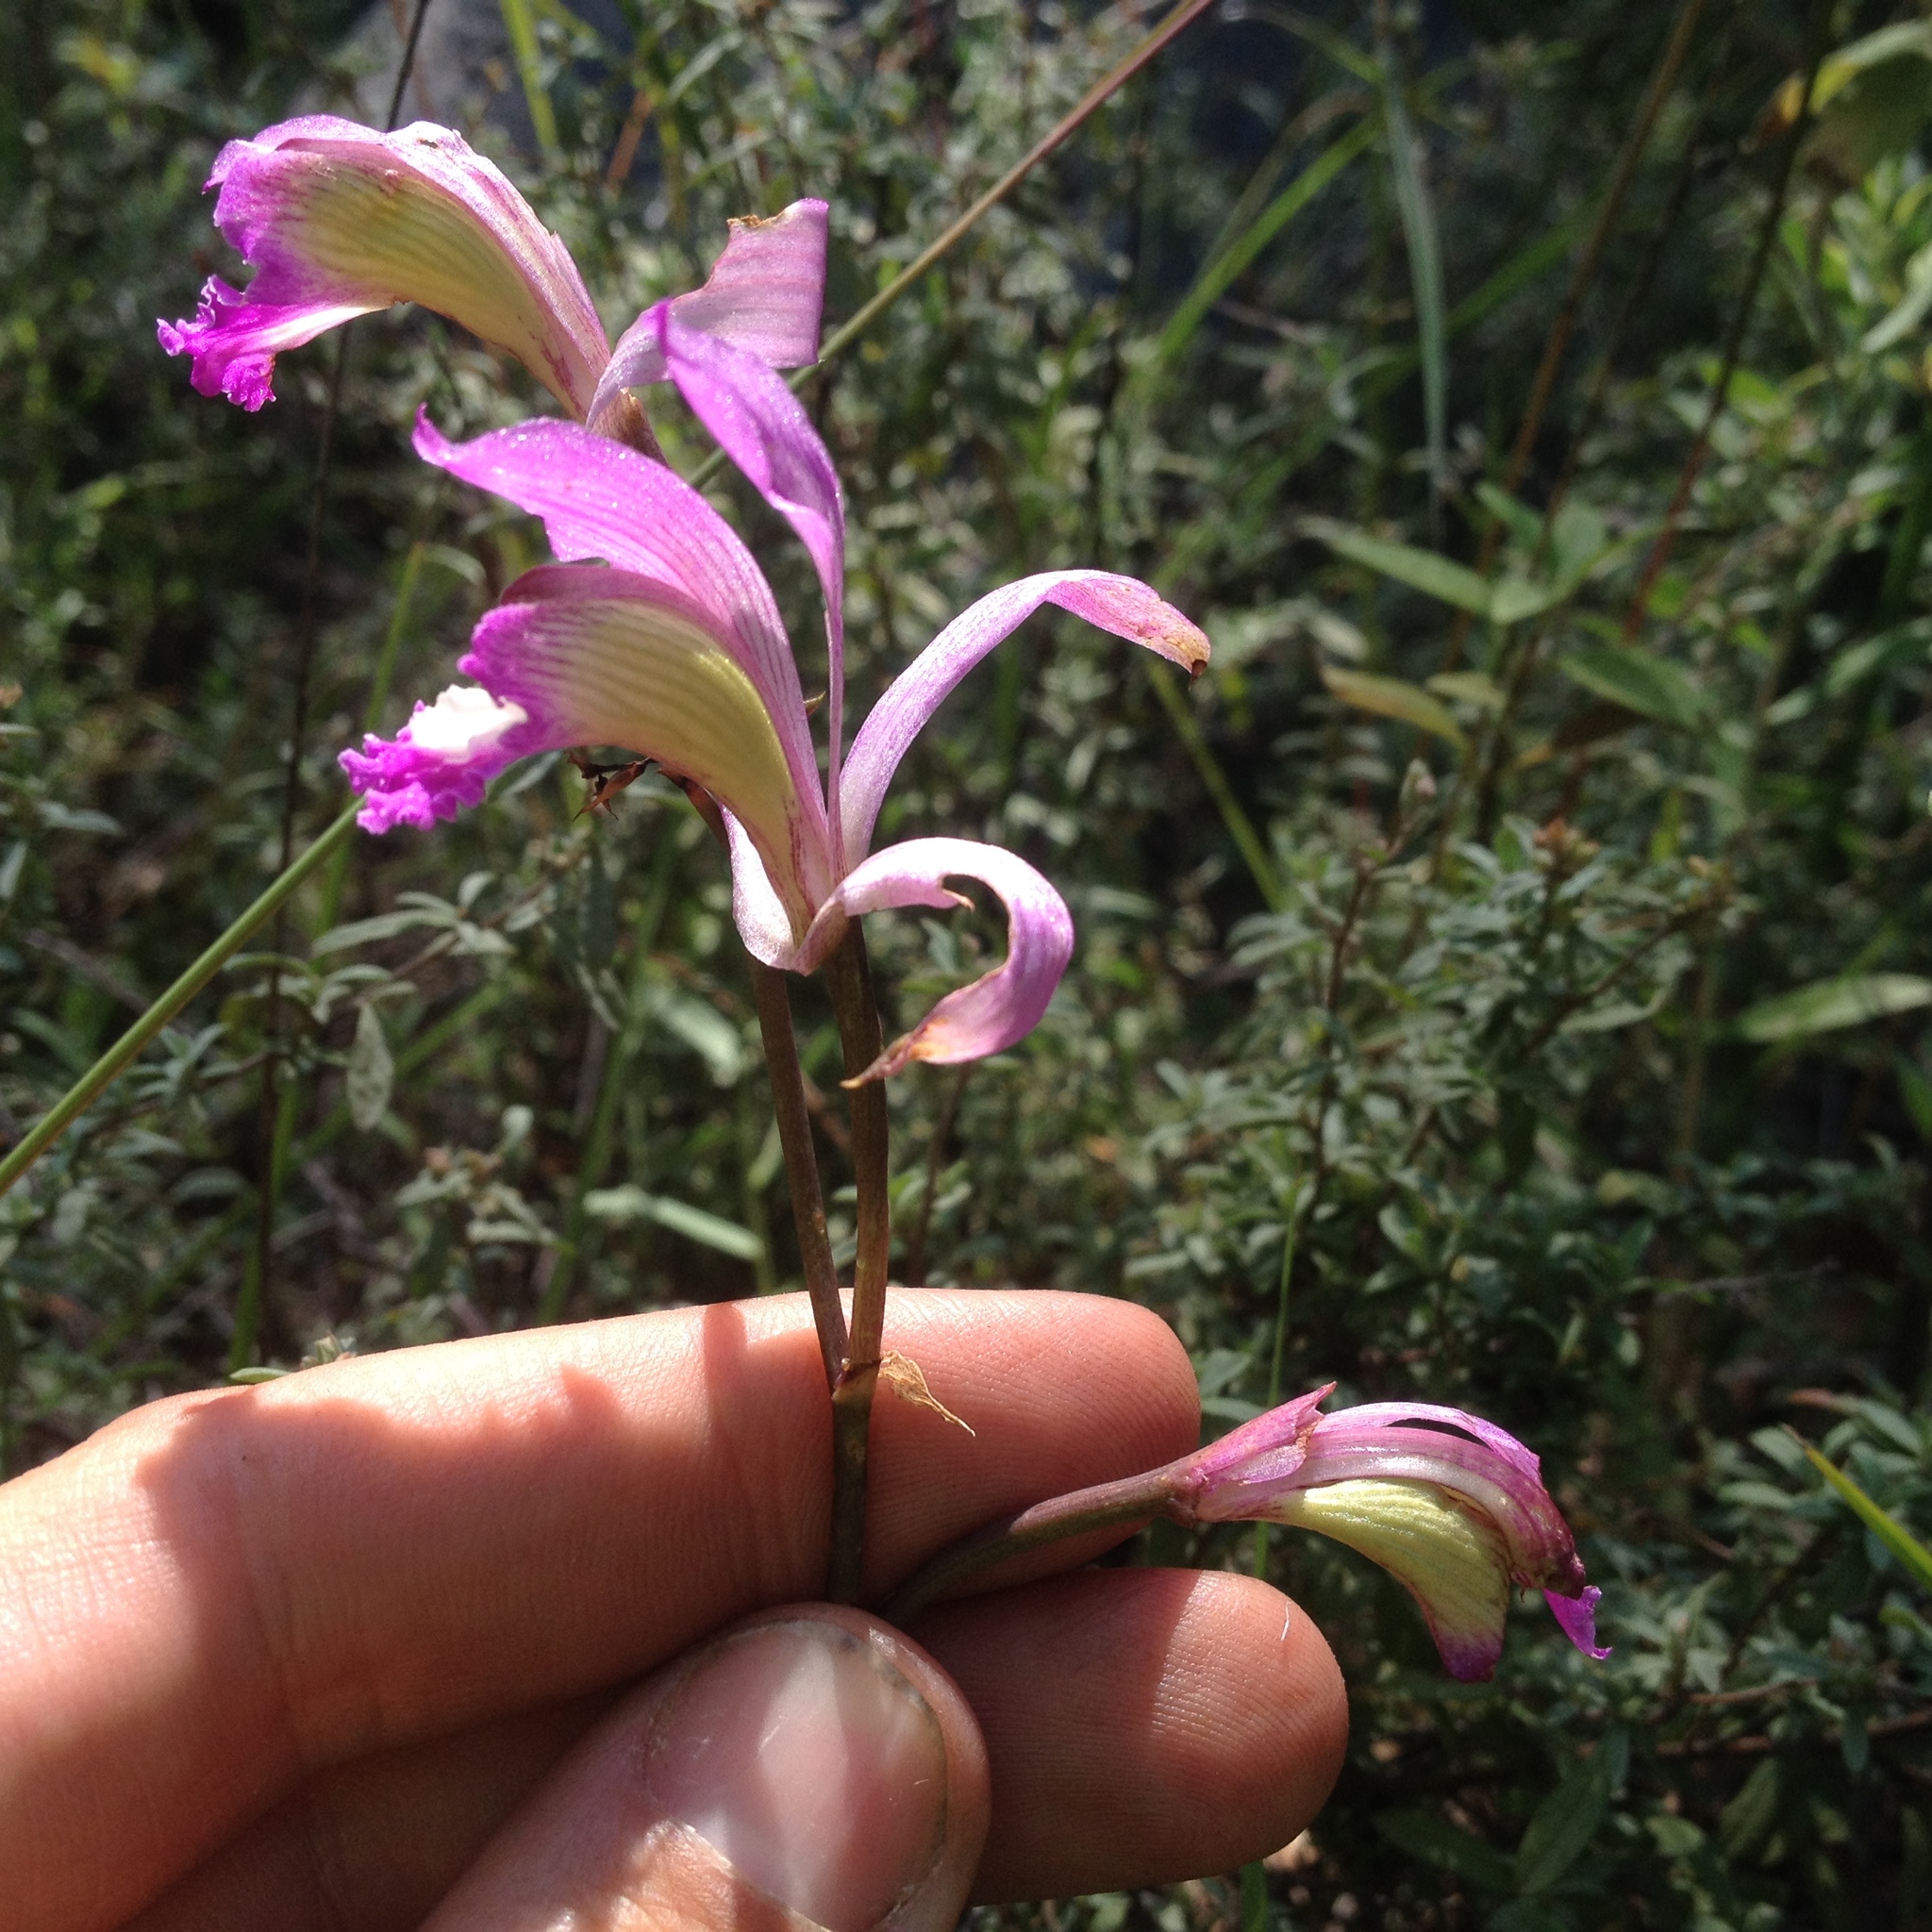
[[339, 221], [675, 652], [1456, 1511]]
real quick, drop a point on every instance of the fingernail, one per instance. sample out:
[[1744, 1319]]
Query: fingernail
[[803, 1755]]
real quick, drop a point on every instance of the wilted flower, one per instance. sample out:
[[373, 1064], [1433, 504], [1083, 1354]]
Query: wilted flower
[[1456, 1511], [339, 221], [676, 653]]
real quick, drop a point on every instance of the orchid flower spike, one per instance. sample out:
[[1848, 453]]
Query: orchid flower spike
[[676, 653], [1456, 1511], [339, 221]]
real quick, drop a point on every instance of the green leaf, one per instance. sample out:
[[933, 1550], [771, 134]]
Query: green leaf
[[1513, 598], [1436, 1842], [1564, 1823], [1828, 1005], [385, 925], [1913, 1556], [371, 1076], [1652, 687], [1468, 687], [1219, 274], [1425, 268], [1421, 570], [1915, 1090], [1745, 1823], [520, 23], [1390, 697], [631, 1203], [1523, 522]]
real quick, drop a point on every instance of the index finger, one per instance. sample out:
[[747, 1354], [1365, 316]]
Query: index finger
[[221, 1594]]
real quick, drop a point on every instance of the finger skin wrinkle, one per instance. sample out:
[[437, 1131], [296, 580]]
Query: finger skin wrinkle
[[225, 1592]]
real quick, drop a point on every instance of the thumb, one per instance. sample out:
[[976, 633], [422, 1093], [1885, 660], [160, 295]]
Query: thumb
[[809, 1768]]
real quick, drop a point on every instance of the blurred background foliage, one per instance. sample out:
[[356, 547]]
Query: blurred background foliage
[[1500, 978]]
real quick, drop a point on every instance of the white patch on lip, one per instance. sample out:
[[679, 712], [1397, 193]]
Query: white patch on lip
[[465, 721]]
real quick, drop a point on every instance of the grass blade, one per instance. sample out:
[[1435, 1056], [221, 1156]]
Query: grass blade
[[1219, 274], [112, 1063], [521, 25], [1424, 273], [1913, 1556]]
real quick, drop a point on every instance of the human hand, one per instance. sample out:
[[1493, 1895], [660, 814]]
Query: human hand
[[311, 1655]]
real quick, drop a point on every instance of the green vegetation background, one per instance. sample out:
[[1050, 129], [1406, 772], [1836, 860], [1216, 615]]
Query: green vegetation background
[[1510, 968]]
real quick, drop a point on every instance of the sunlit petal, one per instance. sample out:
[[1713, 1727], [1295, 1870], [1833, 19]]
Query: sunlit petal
[[1121, 605], [598, 498], [1368, 1476], [338, 220], [763, 428], [1003, 1005], [599, 656], [1449, 1560], [442, 760], [757, 909], [765, 295]]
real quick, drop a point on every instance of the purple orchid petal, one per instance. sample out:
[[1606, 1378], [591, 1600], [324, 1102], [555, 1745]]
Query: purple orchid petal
[[1455, 1512], [1379, 1414], [600, 499], [757, 910], [1265, 1451], [338, 220], [1538, 1542], [1003, 1005], [588, 656], [766, 294], [1121, 605], [1578, 1615], [763, 428], [235, 341], [442, 760]]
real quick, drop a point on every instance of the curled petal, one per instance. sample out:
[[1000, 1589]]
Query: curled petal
[[1449, 1560], [442, 760], [1534, 1534], [235, 341], [1379, 1414], [598, 498], [1457, 1513], [757, 910], [995, 1010], [1121, 605], [591, 656], [766, 294], [763, 428], [338, 220], [1262, 1454], [1578, 1615]]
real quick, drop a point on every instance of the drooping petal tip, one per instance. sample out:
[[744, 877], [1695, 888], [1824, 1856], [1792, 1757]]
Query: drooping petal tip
[[1456, 1511], [1578, 1615], [1123, 605], [338, 220], [1000, 1007], [764, 296], [234, 341], [441, 763]]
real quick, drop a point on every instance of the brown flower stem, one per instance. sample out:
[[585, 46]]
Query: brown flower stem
[[1131, 1500], [793, 1114], [801, 1164], [848, 976]]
